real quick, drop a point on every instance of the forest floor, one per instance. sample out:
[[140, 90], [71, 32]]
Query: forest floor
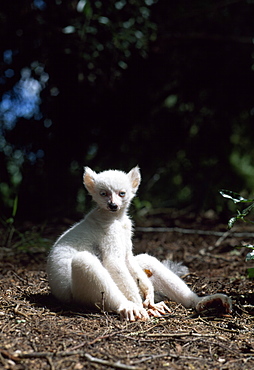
[[37, 332]]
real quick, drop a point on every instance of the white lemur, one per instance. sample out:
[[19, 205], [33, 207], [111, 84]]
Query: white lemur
[[92, 263]]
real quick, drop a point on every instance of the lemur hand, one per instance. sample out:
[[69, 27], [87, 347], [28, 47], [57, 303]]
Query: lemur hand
[[218, 301]]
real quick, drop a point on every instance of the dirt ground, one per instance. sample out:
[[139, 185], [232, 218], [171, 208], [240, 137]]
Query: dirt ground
[[37, 332]]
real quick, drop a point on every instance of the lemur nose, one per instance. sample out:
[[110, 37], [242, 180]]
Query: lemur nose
[[112, 206]]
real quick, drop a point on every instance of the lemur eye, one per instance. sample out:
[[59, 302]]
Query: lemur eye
[[122, 194], [103, 193]]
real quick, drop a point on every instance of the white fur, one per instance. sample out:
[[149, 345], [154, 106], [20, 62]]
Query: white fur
[[92, 263]]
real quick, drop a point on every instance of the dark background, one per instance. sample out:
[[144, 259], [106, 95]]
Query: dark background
[[164, 84]]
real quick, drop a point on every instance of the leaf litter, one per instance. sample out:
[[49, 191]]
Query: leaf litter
[[38, 332]]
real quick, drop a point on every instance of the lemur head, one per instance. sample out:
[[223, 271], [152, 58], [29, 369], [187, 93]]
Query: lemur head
[[112, 190]]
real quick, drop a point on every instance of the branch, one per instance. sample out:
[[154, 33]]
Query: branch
[[49, 355], [116, 365], [192, 231], [172, 355]]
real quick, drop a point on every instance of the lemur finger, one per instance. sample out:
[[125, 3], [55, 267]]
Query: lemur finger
[[153, 312], [147, 302], [131, 316], [145, 316], [162, 305], [127, 314], [124, 314], [159, 309], [140, 314]]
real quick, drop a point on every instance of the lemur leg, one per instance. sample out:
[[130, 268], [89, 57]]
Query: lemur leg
[[173, 287], [166, 282], [92, 284]]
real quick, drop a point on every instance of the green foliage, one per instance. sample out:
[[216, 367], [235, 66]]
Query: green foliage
[[109, 34], [250, 272], [250, 256], [30, 242], [14, 211], [237, 198], [120, 83], [15, 241], [241, 215], [9, 225], [142, 207]]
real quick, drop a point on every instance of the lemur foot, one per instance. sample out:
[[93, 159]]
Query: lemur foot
[[221, 302], [158, 309], [133, 312]]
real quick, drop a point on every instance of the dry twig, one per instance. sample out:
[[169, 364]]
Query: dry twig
[[116, 365]]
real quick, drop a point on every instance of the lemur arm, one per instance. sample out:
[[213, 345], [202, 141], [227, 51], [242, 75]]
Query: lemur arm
[[146, 288], [123, 279]]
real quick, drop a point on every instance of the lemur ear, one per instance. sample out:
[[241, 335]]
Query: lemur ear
[[135, 178], [89, 179]]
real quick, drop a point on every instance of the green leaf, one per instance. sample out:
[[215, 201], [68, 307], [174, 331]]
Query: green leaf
[[250, 256], [251, 272], [250, 246], [235, 197], [10, 220], [88, 10], [15, 207], [20, 321], [247, 210], [232, 221]]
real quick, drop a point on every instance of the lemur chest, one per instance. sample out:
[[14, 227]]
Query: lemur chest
[[117, 239], [119, 231]]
